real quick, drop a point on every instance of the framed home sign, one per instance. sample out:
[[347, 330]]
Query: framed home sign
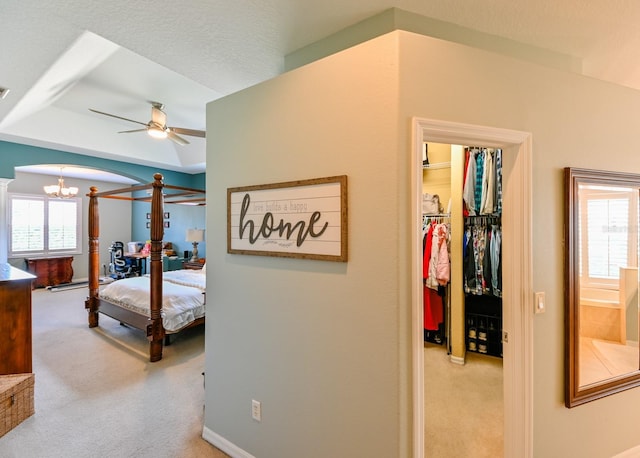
[[296, 219]]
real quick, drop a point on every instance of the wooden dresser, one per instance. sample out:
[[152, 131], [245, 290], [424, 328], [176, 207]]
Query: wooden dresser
[[51, 271], [15, 320]]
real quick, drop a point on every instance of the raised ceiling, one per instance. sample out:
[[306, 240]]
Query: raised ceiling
[[61, 58]]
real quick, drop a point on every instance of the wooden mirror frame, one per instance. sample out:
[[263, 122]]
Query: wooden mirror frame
[[574, 394]]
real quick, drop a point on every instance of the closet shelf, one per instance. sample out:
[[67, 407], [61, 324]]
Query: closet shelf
[[437, 165]]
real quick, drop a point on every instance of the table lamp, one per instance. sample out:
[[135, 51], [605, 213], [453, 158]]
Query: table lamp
[[195, 236]]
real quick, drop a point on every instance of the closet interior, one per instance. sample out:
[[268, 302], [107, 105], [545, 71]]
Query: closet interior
[[462, 234]]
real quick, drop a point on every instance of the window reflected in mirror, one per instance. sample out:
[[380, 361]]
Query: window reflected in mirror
[[601, 231]]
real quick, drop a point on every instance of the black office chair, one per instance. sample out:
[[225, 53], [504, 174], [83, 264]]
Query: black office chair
[[121, 266]]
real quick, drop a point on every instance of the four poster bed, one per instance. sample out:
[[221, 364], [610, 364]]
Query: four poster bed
[[156, 305]]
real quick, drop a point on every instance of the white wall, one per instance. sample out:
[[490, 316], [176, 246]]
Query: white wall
[[326, 347]]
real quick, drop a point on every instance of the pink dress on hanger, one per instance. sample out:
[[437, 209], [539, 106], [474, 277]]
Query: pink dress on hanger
[[433, 307]]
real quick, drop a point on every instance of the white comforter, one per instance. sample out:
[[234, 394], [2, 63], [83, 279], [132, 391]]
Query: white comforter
[[180, 304], [187, 277]]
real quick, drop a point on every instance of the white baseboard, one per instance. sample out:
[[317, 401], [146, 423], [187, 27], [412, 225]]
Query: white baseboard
[[457, 360], [223, 444]]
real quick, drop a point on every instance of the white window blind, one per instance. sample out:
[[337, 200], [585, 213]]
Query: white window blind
[[608, 235], [608, 231], [63, 225], [42, 226]]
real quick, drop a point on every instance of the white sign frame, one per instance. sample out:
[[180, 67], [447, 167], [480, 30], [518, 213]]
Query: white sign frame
[[296, 219]]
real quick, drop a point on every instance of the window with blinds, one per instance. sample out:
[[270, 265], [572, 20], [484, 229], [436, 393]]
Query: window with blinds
[[43, 226], [608, 232]]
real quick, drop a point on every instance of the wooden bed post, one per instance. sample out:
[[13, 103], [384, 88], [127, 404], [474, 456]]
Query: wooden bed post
[[155, 330], [91, 304]]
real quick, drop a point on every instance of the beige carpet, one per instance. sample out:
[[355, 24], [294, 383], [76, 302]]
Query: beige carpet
[[96, 394], [464, 407]]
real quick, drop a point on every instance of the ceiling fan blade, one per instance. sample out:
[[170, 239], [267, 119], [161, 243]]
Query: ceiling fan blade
[[130, 131], [158, 116], [118, 117], [191, 132], [176, 138]]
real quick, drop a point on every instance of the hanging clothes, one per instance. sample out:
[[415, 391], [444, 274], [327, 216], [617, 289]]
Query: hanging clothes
[[496, 260], [443, 263], [487, 205], [479, 244], [486, 262], [482, 259], [478, 181], [433, 306], [439, 259], [435, 272], [433, 309], [426, 250], [498, 181], [482, 188], [468, 190]]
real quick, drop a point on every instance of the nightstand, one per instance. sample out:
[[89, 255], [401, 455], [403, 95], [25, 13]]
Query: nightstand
[[193, 265]]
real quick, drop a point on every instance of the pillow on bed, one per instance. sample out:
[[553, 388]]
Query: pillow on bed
[[204, 268]]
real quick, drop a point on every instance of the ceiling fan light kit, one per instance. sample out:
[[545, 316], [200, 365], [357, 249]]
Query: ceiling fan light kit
[[157, 127], [157, 132]]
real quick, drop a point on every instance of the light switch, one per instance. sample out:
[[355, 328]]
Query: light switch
[[539, 302]]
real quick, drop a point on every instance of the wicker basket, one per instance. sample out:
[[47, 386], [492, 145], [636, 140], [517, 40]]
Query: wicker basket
[[16, 400]]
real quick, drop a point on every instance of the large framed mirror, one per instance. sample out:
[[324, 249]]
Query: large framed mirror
[[601, 288]]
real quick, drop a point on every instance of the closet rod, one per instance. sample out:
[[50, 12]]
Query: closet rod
[[483, 219]]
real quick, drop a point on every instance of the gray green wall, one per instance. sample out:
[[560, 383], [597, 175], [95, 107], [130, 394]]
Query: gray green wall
[[316, 342]]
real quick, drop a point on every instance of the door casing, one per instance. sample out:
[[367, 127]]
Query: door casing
[[517, 275]]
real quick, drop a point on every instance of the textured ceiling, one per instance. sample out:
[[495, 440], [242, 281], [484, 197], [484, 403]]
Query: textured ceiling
[[61, 58]]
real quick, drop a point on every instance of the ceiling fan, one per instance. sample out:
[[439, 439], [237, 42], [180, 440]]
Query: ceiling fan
[[157, 127]]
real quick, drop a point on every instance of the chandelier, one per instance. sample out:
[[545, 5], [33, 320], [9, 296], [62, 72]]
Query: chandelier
[[59, 190]]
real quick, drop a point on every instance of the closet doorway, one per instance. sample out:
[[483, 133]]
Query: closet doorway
[[516, 279], [461, 213]]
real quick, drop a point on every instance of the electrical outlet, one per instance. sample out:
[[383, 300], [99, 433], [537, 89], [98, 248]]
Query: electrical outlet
[[256, 410]]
